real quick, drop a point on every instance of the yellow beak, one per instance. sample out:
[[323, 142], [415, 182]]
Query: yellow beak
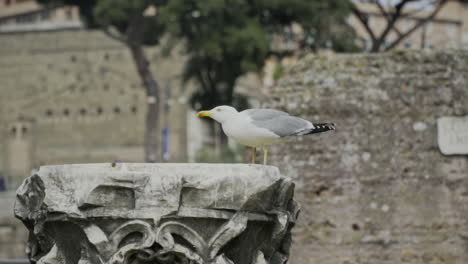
[[204, 113]]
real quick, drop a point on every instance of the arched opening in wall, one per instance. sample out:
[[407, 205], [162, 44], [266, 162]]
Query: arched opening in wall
[[24, 130], [117, 110], [106, 56], [73, 58], [49, 112], [13, 131], [134, 109], [106, 87], [99, 110], [66, 112], [82, 111]]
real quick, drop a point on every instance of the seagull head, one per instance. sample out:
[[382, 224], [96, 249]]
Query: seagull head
[[220, 113]]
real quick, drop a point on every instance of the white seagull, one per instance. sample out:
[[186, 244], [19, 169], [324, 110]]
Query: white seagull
[[262, 127]]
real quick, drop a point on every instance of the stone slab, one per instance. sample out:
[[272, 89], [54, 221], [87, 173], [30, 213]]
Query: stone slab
[[452, 135], [152, 190]]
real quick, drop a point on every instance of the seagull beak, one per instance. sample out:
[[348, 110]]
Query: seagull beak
[[204, 113]]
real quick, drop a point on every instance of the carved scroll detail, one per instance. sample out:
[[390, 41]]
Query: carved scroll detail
[[124, 251], [205, 251]]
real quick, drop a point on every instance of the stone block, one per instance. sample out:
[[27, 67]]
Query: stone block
[[452, 135]]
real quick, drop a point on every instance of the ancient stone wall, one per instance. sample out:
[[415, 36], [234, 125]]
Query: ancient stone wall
[[78, 99], [377, 190]]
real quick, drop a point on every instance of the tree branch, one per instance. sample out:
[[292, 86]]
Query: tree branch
[[390, 24], [387, 16], [364, 21], [137, 25], [136, 28], [397, 31], [382, 9], [419, 24]]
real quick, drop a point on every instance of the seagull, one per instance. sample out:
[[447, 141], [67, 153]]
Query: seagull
[[262, 127]]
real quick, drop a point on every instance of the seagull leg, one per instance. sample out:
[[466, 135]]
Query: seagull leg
[[265, 154], [254, 155]]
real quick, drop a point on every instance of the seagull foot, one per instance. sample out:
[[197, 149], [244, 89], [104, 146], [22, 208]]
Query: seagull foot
[[254, 155], [265, 154]]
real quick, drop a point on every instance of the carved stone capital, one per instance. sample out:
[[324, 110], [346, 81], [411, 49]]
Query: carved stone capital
[[157, 213]]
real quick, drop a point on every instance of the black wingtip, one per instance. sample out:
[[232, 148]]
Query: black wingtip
[[321, 127]]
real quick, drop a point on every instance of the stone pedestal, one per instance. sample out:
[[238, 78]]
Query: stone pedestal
[[157, 213]]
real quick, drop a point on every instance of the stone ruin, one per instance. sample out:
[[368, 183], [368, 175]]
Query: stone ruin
[[157, 213]]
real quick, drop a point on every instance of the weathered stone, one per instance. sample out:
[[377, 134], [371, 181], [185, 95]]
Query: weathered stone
[[157, 213], [377, 190], [452, 135]]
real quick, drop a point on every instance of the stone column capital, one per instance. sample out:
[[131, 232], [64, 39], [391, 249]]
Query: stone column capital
[[157, 213]]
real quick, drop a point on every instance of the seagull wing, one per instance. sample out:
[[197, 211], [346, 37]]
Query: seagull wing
[[262, 114], [278, 122]]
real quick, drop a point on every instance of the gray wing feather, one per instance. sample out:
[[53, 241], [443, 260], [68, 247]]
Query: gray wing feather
[[280, 123], [263, 114]]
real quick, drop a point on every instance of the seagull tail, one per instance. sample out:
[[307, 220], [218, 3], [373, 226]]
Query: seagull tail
[[318, 128]]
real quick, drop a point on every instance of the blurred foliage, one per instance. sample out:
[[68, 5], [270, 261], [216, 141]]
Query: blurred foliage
[[208, 154], [227, 38], [117, 15], [224, 38]]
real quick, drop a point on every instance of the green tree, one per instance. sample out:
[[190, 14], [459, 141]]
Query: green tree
[[131, 23], [228, 38]]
